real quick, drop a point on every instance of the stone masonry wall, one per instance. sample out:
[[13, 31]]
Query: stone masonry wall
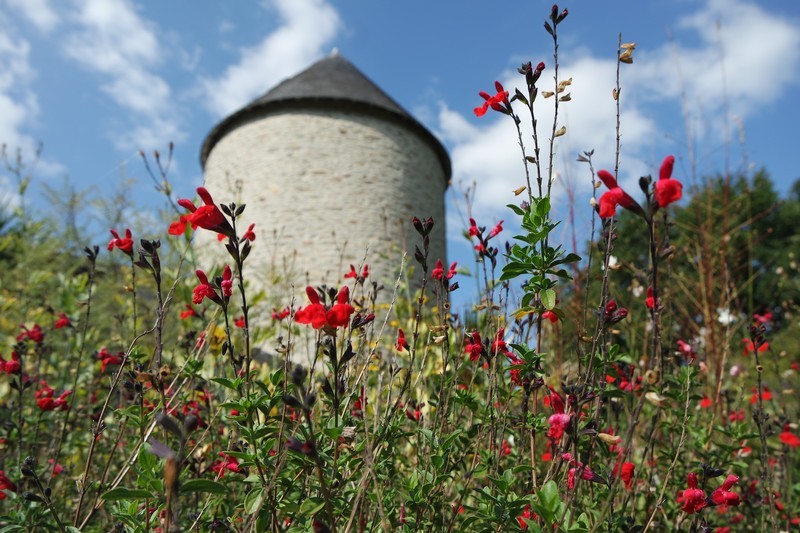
[[326, 189]]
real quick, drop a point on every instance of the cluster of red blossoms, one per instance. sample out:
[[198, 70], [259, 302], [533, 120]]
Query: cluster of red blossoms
[[319, 316], [667, 191], [34, 334], [207, 216], [694, 499], [6, 484], [10, 367], [206, 290], [45, 400], [107, 358]]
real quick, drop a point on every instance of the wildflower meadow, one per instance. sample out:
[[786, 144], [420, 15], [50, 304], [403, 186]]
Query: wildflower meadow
[[639, 378]]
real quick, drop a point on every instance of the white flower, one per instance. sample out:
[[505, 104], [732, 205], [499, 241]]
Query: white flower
[[724, 316], [637, 290]]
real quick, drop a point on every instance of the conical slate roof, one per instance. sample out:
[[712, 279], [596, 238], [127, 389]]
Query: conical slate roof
[[332, 83]]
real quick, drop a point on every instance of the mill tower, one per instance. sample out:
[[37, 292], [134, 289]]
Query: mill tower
[[331, 168]]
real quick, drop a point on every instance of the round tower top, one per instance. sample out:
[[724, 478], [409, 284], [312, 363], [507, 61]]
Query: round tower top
[[331, 83]]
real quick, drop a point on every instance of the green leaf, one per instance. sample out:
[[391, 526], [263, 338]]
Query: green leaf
[[312, 506], [548, 298], [122, 493], [204, 485]]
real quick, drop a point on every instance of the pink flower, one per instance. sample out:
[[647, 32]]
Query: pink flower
[[687, 353], [558, 424], [668, 190]]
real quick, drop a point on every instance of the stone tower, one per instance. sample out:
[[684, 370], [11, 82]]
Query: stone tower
[[332, 170]]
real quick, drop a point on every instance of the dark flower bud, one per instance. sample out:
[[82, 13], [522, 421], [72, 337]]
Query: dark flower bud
[[299, 376], [562, 16], [170, 424], [31, 497], [291, 401]]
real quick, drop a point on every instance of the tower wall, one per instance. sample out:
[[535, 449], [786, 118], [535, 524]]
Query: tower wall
[[328, 187]]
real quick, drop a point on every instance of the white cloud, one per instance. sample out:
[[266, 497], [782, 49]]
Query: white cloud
[[762, 55], [307, 27], [38, 12], [117, 43]]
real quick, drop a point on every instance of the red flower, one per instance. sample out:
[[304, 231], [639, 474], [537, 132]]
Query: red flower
[[249, 235], [505, 448], [12, 366], [124, 245], [499, 345], [46, 402], [498, 102], [789, 438], [280, 315], [686, 352], [204, 290], [609, 201], [554, 400], [227, 282], [188, 312], [586, 473], [614, 196], [35, 334], [495, 230], [668, 190], [473, 228], [57, 468], [402, 343], [526, 514], [6, 484], [314, 313], [558, 424], [766, 395], [339, 314], [207, 216], [106, 358], [749, 347], [227, 464], [723, 495], [239, 322], [551, 316], [706, 402], [352, 274], [318, 316], [62, 322], [439, 273], [692, 498], [650, 301], [626, 474], [474, 346]]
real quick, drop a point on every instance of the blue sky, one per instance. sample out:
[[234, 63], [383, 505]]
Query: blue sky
[[95, 81]]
